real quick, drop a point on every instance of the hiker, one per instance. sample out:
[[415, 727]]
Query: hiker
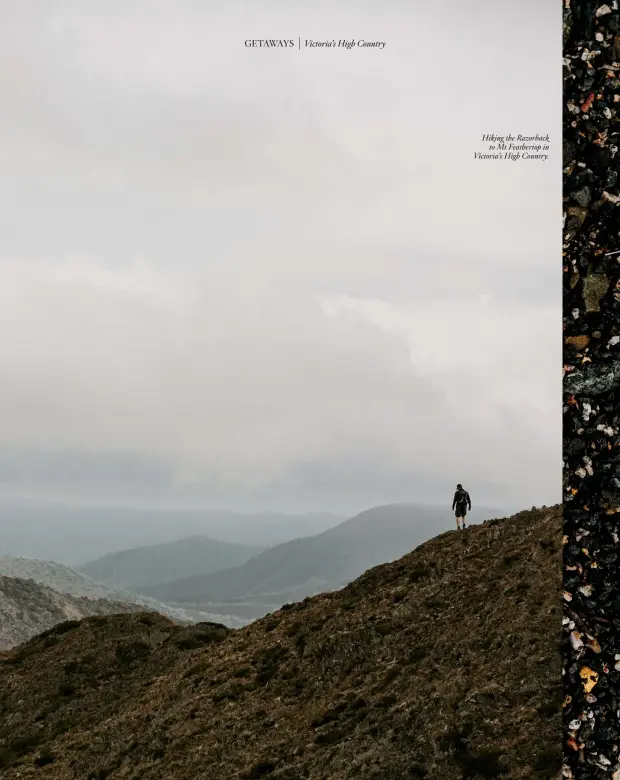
[[461, 503]]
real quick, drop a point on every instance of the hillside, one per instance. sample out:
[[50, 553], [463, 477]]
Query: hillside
[[27, 609], [66, 580], [304, 567], [162, 563], [443, 665]]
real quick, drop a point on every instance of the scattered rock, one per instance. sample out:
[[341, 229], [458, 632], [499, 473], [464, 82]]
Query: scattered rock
[[577, 342], [602, 11], [583, 197], [594, 288], [578, 213]]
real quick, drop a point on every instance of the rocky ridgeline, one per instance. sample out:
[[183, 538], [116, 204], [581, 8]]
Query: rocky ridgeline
[[28, 609], [66, 580]]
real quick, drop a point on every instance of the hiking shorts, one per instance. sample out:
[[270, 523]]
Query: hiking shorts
[[461, 511]]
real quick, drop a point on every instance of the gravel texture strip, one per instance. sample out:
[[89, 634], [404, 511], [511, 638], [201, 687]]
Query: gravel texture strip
[[591, 471]]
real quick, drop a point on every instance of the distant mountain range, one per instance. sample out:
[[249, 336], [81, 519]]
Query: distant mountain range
[[74, 535], [162, 563], [199, 579], [303, 567], [67, 581], [28, 608]]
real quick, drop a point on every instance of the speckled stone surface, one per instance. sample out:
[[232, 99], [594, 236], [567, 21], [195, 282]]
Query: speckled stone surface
[[591, 471]]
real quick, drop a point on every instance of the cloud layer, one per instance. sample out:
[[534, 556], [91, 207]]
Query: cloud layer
[[241, 269]]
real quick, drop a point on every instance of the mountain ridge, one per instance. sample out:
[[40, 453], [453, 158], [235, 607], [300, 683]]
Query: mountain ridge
[[65, 580], [39, 529], [28, 608], [312, 564], [444, 665], [154, 564]]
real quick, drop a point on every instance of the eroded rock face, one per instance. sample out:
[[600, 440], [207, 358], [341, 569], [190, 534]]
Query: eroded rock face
[[67, 581], [444, 664], [28, 609]]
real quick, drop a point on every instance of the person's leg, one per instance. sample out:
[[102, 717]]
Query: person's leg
[[458, 523]]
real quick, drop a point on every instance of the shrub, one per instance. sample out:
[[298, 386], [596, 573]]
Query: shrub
[[6, 758], [66, 689], [419, 573], [131, 651], [61, 628], [261, 769], [23, 745], [232, 693], [200, 635], [392, 673], [44, 758], [293, 628], [417, 653]]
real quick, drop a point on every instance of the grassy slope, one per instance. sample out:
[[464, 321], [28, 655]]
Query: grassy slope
[[444, 664]]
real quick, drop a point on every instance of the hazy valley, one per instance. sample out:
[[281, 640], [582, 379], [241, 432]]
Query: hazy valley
[[199, 578], [60, 581]]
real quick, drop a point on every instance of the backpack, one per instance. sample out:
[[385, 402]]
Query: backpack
[[461, 497]]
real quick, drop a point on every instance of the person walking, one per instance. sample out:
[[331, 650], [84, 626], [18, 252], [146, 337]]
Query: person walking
[[460, 505]]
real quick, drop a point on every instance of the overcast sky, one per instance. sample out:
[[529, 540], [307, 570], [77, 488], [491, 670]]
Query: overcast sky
[[278, 279]]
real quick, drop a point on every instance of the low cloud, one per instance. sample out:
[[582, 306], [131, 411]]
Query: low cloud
[[242, 277], [243, 385]]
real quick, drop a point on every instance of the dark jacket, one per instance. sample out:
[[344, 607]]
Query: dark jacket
[[461, 498]]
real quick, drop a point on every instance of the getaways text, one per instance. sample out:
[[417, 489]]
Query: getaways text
[[290, 44], [282, 44]]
